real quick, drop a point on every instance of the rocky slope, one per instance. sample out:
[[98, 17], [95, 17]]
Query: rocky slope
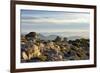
[[35, 49]]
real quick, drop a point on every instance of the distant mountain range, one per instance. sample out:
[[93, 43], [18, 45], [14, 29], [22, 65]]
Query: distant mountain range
[[52, 37], [74, 37]]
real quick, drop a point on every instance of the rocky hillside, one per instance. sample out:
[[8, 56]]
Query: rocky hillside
[[35, 49]]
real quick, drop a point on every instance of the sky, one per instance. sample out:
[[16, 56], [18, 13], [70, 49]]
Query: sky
[[60, 23]]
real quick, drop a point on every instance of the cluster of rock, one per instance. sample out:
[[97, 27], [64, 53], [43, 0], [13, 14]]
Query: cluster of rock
[[33, 49]]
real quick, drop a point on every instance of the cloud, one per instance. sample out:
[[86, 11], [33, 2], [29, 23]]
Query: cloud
[[54, 17], [63, 23], [58, 30], [62, 32], [54, 21]]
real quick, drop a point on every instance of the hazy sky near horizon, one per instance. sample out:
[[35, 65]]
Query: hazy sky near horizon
[[61, 23]]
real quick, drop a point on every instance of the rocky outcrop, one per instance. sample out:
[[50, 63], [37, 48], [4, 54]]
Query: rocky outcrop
[[33, 49]]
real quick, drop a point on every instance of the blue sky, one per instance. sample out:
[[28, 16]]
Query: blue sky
[[61, 23]]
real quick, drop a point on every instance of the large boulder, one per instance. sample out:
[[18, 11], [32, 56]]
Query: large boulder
[[32, 36]]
